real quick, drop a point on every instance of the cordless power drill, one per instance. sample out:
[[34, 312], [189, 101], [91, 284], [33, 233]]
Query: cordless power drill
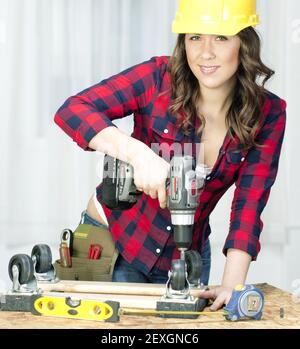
[[183, 188]]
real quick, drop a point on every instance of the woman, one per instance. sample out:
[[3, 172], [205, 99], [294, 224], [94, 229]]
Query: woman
[[207, 92]]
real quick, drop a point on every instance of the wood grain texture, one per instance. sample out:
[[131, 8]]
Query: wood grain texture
[[126, 301], [123, 288], [274, 300]]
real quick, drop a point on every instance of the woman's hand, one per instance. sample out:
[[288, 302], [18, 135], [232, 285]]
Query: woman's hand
[[150, 174], [235, 273], [220, 295], [150, 170]]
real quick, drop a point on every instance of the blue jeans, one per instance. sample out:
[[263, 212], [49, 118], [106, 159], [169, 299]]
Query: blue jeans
[[124, 272], [87, 219]]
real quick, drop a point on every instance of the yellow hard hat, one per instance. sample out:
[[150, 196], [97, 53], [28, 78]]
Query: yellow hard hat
[[216, 17]]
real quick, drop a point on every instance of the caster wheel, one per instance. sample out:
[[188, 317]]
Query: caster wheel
[[178, 281], [43, 256], [194, 266], [25, 266]]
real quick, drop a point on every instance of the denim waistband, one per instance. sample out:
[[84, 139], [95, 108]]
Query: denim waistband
[[87, 219]]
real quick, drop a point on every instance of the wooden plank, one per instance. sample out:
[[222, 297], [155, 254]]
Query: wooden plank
[[274, 300], [126, 301], [110, 288]]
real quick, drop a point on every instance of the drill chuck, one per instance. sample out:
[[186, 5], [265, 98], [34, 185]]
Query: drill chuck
[[183, 236]]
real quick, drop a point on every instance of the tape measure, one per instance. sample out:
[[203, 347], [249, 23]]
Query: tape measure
[[66, 307], [247, 302]]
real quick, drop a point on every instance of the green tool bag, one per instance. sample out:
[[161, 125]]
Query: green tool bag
[[86, 269]]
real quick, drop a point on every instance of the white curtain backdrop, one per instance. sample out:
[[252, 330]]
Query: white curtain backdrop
[[51, 49]]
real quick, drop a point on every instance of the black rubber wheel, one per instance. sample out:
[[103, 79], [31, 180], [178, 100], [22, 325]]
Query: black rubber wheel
[[194, 265], [25, 265], [178, 281], [43, 257]]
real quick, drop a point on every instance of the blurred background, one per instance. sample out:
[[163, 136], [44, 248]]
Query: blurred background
[[52, 49]]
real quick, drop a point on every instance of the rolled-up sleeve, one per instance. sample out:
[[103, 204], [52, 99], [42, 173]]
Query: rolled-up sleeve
[[84, 115], [254, 182]]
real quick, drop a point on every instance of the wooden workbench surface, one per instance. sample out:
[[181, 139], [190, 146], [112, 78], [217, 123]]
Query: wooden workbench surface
[[274, 300]]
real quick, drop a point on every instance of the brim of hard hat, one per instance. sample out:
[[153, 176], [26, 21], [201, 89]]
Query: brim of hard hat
[[210, 29]]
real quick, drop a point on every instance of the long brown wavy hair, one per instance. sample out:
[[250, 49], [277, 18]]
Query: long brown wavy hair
[[245, 113]]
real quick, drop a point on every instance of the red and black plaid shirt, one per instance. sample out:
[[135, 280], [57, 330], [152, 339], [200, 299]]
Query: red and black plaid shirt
[[143, 234]]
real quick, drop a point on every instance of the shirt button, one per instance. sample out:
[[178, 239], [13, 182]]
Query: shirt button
[[166, 130], [158, 250], [242, 159], [169, 228]]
